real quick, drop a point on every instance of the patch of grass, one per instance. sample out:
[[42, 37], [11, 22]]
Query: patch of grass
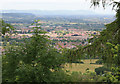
[[82, 67]]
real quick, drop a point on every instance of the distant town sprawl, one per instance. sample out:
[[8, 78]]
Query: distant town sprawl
[[61, 37], [64, 31]]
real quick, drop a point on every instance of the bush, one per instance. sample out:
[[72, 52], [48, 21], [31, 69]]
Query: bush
[[101, 70], [78, 62], [100, 61]]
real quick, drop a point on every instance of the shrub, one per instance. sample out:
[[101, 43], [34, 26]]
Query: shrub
[[78, 62], [101, 70], [100, 61]]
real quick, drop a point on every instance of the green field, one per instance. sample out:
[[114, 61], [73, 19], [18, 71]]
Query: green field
[[82, 67]]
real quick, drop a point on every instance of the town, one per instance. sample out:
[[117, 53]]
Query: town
[[65, 32]]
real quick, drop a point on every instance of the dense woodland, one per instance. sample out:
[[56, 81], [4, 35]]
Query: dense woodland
[[36, 60]]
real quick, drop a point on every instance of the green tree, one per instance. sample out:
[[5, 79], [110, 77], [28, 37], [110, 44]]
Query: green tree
[[33, 60], [107, 44], [5, 27], [110, 34]]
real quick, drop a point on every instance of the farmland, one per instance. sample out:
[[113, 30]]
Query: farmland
[[82, 67]]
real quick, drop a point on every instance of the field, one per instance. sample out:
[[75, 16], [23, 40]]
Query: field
[[82, 67]]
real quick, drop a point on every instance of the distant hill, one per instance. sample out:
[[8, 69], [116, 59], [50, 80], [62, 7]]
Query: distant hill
[[17, 14], [18, 17], [28, 16], [52, 12]]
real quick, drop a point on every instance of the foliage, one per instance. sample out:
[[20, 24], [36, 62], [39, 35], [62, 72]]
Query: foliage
[[72, 55], [111, 77], [5, 27], [100, 61], [33, 60], [101, 70]]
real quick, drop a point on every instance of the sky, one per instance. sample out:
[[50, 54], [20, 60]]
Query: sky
[[52, 5]]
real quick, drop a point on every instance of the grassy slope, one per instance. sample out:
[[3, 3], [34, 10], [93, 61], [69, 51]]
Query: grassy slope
[[82, 67]]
